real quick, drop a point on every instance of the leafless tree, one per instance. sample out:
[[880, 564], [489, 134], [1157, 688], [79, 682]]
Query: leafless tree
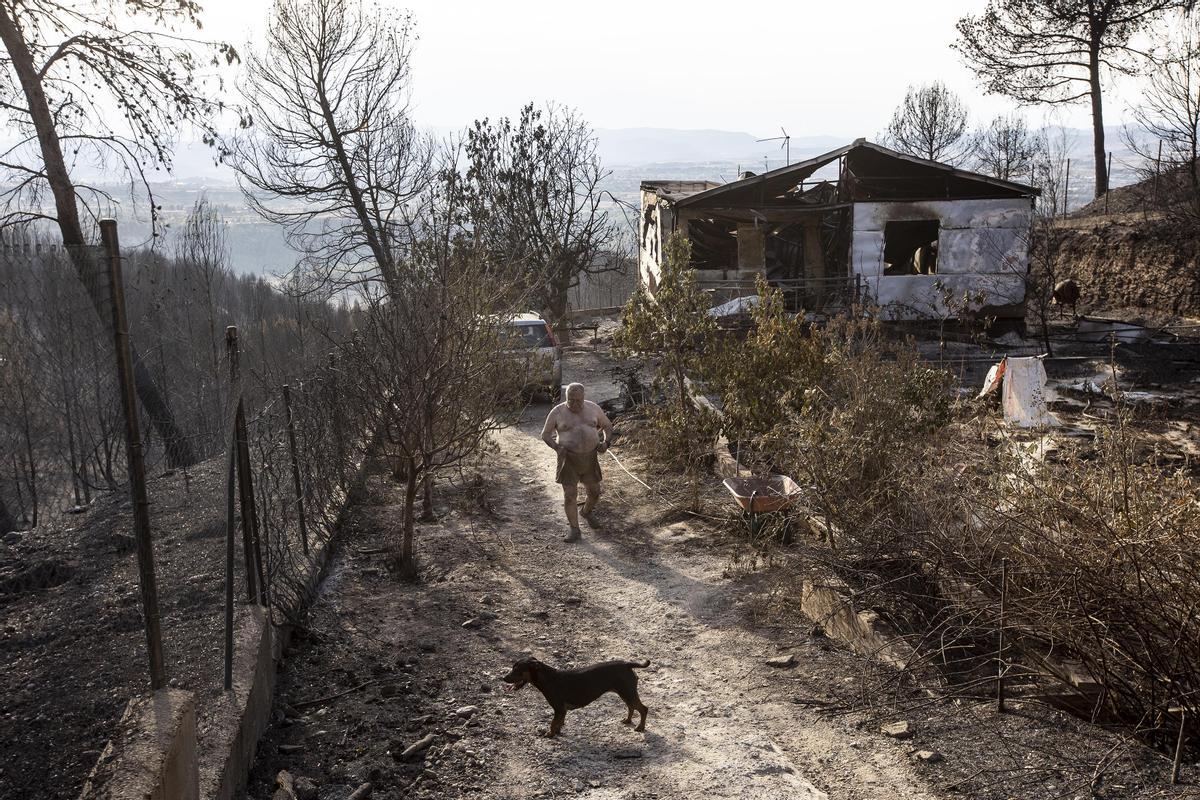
[[334, 157], [20, 393], [1045, 246], [1169, 116], [430, 360], [7, 522], [1059, 51], [1049, 169], [1006, 148], [931, 123], [61, 438], [536, 201], [68, 67], [202, 254]]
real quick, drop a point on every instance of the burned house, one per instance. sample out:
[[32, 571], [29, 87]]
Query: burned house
[[861, 223]]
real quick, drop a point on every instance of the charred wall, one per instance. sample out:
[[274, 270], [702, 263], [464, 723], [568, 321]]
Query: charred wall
[[982, 247]]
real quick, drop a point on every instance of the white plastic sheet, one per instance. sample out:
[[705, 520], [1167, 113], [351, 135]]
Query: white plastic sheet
[[738, 305], [1025, 394]]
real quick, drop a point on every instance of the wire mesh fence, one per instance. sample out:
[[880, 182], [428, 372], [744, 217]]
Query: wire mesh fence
[[60, 425], [305, 443], [815, 294], [65, 467], [608, 289]]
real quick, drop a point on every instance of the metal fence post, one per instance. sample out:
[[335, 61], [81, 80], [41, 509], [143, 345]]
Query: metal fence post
[[235, 392], [136, 458], [291, 428], [250, 505]]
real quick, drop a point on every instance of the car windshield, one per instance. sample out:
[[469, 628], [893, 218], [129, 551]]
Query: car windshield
[[532, 334]]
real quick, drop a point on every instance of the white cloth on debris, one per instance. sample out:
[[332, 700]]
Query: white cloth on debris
[[1025, 394], [992, 382]]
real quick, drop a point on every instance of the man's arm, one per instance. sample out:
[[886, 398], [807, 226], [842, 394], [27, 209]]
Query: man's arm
[[604, 424], [550, 432]]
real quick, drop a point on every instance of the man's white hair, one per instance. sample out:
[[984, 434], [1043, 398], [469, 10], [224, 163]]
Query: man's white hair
[[574, 389]]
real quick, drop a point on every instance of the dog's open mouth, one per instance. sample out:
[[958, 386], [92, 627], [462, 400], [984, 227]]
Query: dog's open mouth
[[514, 685]]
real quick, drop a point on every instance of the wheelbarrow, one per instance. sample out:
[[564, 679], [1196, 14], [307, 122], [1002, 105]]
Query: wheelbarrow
[[762, 495]]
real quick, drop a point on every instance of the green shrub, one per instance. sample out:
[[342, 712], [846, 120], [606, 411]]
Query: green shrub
[[765, 378], [673, 329]]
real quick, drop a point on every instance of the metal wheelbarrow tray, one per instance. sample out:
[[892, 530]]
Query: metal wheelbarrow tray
[[762, 495]]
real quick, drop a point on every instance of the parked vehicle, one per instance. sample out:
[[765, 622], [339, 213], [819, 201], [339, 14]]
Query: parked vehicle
[[533, 340]]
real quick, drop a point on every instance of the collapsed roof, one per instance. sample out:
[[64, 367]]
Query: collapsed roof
[[867, 172]]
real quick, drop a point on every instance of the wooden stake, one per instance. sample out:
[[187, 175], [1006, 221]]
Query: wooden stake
[[1000, 649], [1179, 747], [1067, 188], [1109, 190], [136, 458], [1157, 169], [230, 525]]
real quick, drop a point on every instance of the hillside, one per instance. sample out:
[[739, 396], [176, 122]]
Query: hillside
[[1128, 262]]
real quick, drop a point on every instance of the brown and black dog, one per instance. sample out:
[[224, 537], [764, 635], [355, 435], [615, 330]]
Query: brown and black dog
[[565, 689]]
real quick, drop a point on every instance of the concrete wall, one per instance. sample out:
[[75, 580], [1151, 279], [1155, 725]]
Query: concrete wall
[[982, 246], [242, 714], [155, 754], [152, 756], [751, 247], [160, 752], [656, 223]]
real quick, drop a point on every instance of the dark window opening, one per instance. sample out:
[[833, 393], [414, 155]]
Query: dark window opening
[[910, 247], [785, 253], [714, 243]]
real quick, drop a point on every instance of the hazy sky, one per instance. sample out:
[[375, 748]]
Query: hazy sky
[[835, 68]]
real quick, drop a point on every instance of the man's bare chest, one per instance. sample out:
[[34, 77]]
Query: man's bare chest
[[570, 421]]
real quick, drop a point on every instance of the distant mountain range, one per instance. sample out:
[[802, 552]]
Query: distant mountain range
[[632, 147]]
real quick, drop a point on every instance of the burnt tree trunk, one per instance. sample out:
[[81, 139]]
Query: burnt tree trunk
[[1097, 123], [408, 565], [179, 450], [556, 308], [31, 460], [7, 523], [427, 514]]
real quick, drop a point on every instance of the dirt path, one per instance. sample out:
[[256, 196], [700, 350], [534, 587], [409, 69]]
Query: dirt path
[[722, 724]]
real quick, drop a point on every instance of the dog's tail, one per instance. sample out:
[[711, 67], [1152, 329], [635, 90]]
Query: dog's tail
[[638, 664]]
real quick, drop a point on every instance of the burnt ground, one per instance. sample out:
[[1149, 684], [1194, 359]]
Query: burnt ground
[[400, 663], [72, 642]]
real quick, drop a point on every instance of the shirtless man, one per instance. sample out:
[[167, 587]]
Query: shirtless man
[[573, 431]]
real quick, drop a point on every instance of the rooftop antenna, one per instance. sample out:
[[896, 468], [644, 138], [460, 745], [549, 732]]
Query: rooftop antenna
[[786, 146]]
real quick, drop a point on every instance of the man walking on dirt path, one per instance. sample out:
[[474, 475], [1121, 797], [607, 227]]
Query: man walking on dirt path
[[573, 431]]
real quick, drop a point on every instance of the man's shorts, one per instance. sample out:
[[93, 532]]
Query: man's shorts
[[576, 468]]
